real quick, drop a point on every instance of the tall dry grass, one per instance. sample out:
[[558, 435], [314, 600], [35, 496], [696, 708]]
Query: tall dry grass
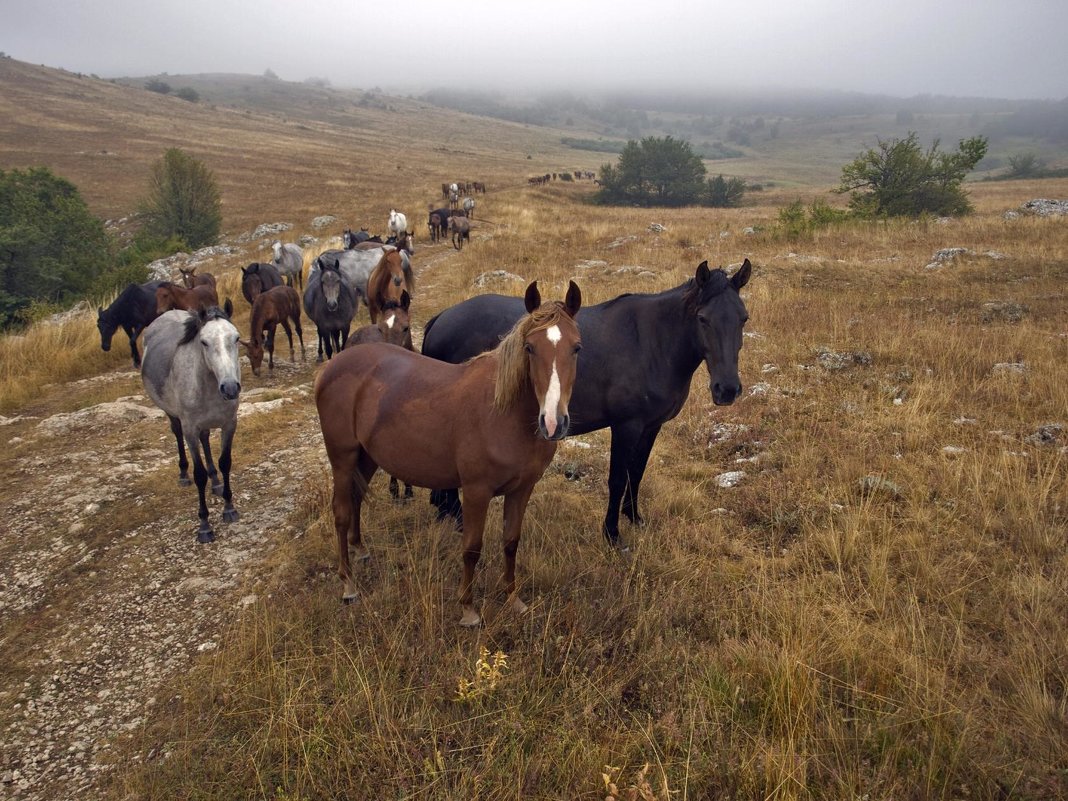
[[868, 614]]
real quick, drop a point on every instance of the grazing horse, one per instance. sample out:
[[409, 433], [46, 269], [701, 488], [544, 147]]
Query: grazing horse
[[171, 296], [330, 301], [190, 278], [478, 186], [258, 277], [276, 306], [394, 327], [490, 426], [454, 199], [469, 207], [289, 259], [132, 310], [640, 353], [461, 231], [191, 371], [387, 281], [397, 224]]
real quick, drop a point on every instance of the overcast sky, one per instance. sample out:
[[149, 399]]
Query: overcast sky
[[985, 48]]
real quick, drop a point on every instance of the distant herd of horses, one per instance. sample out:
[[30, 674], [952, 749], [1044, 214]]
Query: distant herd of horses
[[499, 382]]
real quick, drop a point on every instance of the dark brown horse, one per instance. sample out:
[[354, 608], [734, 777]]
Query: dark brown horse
[[277, 306], [387, 281], [490, 426], [190, 278], [171, 296], [258, 277]]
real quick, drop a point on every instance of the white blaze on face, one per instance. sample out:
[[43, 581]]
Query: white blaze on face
[[552, 395], [390, 320], [277, 251]]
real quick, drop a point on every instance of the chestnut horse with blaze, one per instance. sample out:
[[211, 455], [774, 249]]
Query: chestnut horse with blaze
[[489, 425]]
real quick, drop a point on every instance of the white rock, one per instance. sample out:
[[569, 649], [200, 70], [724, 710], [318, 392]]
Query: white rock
[[732, 478]]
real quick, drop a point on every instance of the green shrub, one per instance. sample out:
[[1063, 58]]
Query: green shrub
[[183, 200], [653, 172], [723, 192]]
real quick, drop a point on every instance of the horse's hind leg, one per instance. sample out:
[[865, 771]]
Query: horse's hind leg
[[183, 462], [133, 333], [213, 474], [229, 514], [300, 337]]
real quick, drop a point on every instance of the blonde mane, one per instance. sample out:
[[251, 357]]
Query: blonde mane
[[513, 374]]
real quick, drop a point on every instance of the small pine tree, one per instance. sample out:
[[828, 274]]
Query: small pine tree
[[183, 200], [188, 93]]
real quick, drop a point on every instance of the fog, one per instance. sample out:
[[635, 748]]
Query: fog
[[977, 48]]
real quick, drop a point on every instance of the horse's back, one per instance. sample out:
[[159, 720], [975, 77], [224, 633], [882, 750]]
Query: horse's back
[[471, 327], [161, 340]]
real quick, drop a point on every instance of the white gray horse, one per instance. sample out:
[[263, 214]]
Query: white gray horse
[[469, 207], [289, 259], [397, 224], [191, 371], [356, 266]]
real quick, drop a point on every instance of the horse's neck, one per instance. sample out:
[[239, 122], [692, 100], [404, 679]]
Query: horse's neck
[[259, 317], [671, 330]]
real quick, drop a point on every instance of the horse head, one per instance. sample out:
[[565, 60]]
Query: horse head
[[107, 327], [330, 283], [547, 341], [720, 315], [394, 322], [277, 248], [218, 339], [188, 276]]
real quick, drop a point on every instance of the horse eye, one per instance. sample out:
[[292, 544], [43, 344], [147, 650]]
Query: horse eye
[[702, 319], [577, 349], [528, 348]]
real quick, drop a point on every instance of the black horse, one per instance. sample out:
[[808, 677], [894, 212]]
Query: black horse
[[331, 304], [257, 278], [639, 354], [132, 310], [351, 240]]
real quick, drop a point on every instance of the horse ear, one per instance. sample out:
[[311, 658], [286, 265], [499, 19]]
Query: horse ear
[[532, 299], [228, 308], [573, 299], [406, 299], [243, 272], [702, 273], [741, 278]]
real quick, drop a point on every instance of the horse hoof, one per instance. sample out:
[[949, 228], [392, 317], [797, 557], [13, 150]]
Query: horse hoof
[[205, 536], [348, 599], [518, 606], [230, 516], [183, 481], [470, 618], [217, 490]]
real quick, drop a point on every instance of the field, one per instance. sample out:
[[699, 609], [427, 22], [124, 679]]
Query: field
[[878, 609]]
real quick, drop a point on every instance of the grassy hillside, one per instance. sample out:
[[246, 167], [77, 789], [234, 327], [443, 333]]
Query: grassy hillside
[[878, 609]]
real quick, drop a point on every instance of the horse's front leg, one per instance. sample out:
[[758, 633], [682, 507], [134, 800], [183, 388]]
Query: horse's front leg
[[639, 458], [229, 514], [515, 506], [213, 474], [624, 441], [289, 336], [300, 337], [319, 333], [476, 502], [200, 478], [269, 345], [183, 462]]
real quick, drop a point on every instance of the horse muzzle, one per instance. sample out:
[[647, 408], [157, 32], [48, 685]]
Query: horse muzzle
[[230, 389], [559, 429], [724, 393]]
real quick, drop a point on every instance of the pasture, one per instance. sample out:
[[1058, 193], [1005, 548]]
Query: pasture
[[874, 605]]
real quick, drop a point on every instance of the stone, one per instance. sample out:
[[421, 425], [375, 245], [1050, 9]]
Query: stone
[[323, 220], [732, 478]]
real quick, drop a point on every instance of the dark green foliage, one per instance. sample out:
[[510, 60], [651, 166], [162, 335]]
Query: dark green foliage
[[596, 145], [188, 93], [723, 192], [130, 263], [654, 172], [183, 200], [156, 85], [898, 178], [1025, 165], [51, 248]]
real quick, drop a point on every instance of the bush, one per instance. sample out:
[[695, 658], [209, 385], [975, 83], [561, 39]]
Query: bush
[[899, 179], [188, 93], [1025, 165], [723, 192], [795, 220], [156, 85], [183, 200], [653, 172], [51, 248]]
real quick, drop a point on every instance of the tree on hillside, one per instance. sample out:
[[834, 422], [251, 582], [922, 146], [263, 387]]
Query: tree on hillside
[[654, 172], [183, 200], [156, 85], [51, 248], [899, 178], [188, 93], [724, 192]]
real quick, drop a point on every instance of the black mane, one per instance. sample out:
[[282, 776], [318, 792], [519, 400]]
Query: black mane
[[198, 320]]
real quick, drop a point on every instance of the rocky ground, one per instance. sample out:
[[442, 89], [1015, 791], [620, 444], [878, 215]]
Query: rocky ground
[[105, 593]]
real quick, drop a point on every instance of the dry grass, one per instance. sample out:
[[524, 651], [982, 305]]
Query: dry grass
[[812, 633]]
